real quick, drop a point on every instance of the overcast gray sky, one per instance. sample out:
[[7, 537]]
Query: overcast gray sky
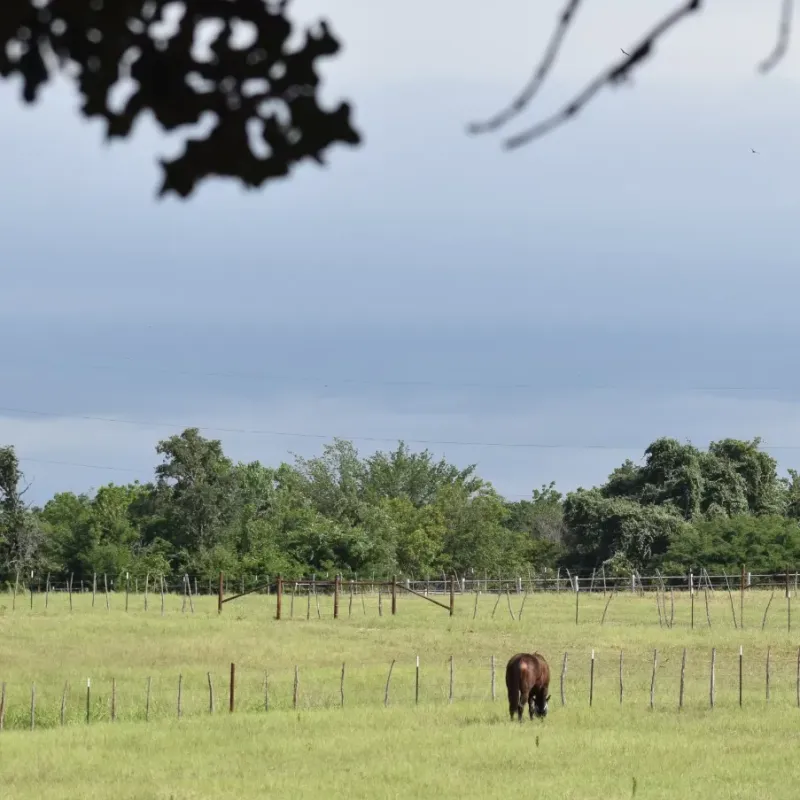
[[631, 276]]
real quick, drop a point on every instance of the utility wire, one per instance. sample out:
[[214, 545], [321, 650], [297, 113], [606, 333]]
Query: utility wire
[[389, 382], [298, 435]]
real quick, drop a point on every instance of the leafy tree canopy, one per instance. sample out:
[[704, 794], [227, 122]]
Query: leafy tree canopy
[[405, 513]]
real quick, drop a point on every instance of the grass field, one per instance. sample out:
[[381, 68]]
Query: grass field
[[367, 750]]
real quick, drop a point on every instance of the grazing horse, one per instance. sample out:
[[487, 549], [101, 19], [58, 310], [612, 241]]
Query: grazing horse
[[527, 680]]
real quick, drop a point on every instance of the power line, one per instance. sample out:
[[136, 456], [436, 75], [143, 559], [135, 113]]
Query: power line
[[394, 439], [292, 434], [78, 464], [396, 382]]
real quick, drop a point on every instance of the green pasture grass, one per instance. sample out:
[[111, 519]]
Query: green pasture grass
[[365, 749], [467, 750]]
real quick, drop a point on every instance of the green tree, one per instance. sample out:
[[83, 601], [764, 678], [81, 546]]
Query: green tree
[[20, 536], [420, 536], [414, 476], [334, 481], [193, 490], [601, 529], [764, 543]]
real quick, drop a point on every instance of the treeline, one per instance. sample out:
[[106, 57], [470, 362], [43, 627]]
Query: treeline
[[405, 513]]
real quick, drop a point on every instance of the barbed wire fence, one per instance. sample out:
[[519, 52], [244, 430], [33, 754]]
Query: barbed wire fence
[[545, 581], [669, 680]]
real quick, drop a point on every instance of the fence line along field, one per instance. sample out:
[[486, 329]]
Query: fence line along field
[[150, 671], [764, 599]]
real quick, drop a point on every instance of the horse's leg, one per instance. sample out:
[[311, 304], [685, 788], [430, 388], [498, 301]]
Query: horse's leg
[[521, 707], [513, 701], [531, 703]]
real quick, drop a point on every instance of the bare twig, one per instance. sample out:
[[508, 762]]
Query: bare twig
[[536, 80], [782, 41], [615, 74]]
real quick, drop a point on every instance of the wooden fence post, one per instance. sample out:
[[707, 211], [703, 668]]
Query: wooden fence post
[[740, 676], [766, 610], [210, 694], [621, 687], [510, 610], [394, 594], [296, 687], [608, 603], [388, 681], [416, 684], [741, 600], [220, 593], [336, 597], [683, 679], [653, 679], [591, 676], [452, 596], [64, 703], [350, 603], [452, 673], [767, 676], [341, 682], [88, 699], [232, 687], [798, 677], [713, 685], [279, 597]]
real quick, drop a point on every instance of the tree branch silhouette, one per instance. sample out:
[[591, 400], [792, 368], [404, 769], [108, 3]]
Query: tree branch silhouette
[[266, 85], [539, 75], [611, 76], [783, 39]]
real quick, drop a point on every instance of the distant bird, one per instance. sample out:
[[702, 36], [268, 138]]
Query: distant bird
[[624, 53], [754, 152]]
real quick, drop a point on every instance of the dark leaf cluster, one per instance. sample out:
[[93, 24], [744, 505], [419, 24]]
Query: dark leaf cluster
[[255, 88]]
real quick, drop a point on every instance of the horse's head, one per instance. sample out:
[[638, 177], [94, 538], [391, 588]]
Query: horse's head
[[540, 705]]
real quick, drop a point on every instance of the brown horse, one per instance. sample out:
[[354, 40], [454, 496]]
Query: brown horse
[[527, 680]]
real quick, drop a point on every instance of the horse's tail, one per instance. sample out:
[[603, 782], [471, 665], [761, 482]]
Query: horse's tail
[[512, 682]]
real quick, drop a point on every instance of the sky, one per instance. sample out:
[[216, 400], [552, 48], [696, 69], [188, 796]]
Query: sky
[[544, 314]]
